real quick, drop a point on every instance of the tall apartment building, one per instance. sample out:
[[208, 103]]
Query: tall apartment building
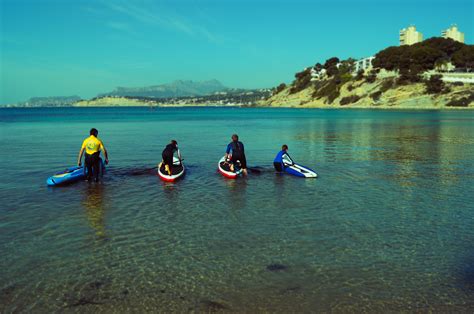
[[410, 36], [453, 33]]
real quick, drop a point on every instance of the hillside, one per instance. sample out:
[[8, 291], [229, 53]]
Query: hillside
[[382, 93], [401, 77], [234, 97]]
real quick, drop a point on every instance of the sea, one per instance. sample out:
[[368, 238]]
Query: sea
[[387, 226]]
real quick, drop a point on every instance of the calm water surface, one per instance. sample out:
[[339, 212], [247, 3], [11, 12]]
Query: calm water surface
[[388, 225]]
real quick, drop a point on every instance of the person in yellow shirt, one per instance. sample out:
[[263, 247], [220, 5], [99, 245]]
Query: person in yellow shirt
[[92, 145]]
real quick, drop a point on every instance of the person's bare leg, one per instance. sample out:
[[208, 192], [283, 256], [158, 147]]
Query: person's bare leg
[[244, 171]]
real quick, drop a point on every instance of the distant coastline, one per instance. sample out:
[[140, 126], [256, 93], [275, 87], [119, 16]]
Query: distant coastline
[[407, 97], [380, 93]]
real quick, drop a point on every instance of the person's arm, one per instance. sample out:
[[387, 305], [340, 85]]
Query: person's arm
[[106, 155], [179, 155], [288, 158], [227, 152], [79, 158]]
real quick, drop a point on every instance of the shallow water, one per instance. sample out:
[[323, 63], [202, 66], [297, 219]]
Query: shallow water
[[388, 225]]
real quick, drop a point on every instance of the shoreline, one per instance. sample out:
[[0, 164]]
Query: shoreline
[[321, 107]]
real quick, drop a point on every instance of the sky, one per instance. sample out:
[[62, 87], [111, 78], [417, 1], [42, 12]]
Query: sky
[[87, 47]]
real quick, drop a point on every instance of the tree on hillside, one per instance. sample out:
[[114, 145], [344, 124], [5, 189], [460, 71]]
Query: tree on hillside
[[331, 66], [425, 57], [360, 75], [318, 67], [446, 45], [302, 74], [464, 58], [303, 79], [279, 88], [372, 76], [389, 58], [331, 62], [434, 85]]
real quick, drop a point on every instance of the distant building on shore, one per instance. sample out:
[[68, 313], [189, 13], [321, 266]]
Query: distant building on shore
[[363, 64], [410, 36], [453, 33]]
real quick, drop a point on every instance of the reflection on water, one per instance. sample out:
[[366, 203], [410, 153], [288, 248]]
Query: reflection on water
[[406, 145], [236, 198], [94, 208]]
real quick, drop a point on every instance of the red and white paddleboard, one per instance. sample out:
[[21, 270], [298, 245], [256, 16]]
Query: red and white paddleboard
[[177, 171], [224, 169]]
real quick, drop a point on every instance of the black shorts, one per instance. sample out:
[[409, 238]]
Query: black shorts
[[242, 159], [92, 160], [93, 165], [167, 158], [278, 166]]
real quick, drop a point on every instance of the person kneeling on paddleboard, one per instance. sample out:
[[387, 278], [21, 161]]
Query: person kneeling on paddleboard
[[168, 154], [235, 153], [282, 159], [92, 145]]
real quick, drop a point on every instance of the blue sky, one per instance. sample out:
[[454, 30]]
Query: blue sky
[[60, 47]]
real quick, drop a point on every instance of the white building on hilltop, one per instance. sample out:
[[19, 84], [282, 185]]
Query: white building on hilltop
[[410, 36], [317, 75], [453, 33], [364, 64]]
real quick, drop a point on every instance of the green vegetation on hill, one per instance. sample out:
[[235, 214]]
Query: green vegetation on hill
[[303, 80], [337, 77], [399, 75], [412, 61]]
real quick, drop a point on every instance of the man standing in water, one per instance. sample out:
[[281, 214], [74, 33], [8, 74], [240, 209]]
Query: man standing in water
[[235, 153], [92, 145]]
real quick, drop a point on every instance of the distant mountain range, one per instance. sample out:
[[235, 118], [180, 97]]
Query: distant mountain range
[[211, 90], [175, 89]]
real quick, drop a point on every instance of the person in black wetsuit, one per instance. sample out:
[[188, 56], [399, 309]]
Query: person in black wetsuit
[[235, 152], [168, 154]]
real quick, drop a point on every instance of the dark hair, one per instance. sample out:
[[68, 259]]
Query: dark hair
[[284, 147], [235, 137], [94, 132], [174, 142]]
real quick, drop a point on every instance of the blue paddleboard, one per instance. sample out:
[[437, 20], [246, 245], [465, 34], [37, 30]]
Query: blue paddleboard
[[289, 166], [300, 171], [70, 175]]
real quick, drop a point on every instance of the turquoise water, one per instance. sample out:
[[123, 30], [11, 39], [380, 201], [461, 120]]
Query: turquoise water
[[388, 225]]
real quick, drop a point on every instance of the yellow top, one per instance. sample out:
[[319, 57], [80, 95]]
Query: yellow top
[[92, 145]]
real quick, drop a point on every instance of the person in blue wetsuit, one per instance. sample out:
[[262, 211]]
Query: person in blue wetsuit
[[282, 159], [235, 152]]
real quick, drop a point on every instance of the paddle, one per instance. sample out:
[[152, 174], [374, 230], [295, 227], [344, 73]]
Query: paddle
[[181, 160], [254, 170]]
